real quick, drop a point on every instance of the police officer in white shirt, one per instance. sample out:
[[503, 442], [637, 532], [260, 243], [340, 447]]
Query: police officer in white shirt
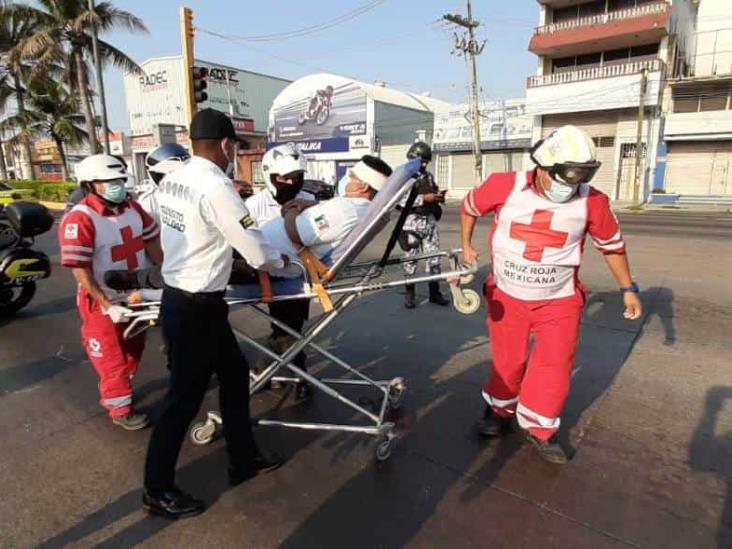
[[202, 219], [284, 171]]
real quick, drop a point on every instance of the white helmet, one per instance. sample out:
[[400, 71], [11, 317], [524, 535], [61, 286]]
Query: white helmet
[[100, 167], [282, 160], [567, 153]]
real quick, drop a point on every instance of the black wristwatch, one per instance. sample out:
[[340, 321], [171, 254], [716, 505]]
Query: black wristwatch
[[632, 288]]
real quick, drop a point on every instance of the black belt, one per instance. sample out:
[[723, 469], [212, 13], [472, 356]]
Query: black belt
[[198, 296]]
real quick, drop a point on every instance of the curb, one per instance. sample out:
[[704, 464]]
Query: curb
[[53, 205]]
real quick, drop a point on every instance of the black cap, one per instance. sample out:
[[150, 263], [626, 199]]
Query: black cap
[[377, 164], [211, 124]]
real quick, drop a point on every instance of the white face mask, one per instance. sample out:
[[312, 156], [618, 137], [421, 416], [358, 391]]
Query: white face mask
[[342, 184], [560, 192]]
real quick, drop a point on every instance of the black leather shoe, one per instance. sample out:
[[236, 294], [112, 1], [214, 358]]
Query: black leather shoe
[[263, 463], [549, 450], [172, 505], [493, 425]]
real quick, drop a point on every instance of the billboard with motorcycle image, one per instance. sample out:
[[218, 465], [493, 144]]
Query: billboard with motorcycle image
[[320, 106]]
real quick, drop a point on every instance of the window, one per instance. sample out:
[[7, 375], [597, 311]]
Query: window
[[686, 104], [714, 98], [589, 60], [593, 8], [648, 51], [563, 64], [257, 175]]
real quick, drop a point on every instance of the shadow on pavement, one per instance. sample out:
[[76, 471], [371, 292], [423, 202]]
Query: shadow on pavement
[[712, 453]]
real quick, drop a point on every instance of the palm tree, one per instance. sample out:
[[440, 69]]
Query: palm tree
[[51, 111], [16, 24], [64, 36]]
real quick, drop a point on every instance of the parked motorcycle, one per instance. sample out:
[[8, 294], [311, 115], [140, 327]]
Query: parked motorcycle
[[20, 265]]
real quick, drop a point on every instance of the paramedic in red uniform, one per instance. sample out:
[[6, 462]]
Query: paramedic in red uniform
[[537, 239], [107, 230]]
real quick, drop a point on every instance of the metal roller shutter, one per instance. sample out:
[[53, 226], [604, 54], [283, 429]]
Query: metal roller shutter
[[462, 171], [700, 168], [394, 155]]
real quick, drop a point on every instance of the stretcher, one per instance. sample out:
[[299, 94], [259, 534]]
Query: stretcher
[[336, 284]]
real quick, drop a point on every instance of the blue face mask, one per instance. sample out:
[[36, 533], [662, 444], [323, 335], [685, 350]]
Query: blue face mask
[[115, 192], [560, 192], [342, 184]]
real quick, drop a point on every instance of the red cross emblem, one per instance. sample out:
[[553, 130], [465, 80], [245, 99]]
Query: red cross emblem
[[128, 249], [538, 235]]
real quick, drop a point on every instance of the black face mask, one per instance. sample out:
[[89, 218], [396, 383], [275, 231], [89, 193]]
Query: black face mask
[[288, 191]]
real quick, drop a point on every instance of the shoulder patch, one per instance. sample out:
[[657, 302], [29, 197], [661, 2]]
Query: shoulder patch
[[321, 222], [246, 221], [71, 231]]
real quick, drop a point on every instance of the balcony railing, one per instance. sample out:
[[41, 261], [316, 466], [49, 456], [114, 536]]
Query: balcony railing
[[603, 18], [594, 73]]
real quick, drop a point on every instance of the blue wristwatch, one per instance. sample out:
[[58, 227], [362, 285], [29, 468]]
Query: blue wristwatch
[[632, 288]]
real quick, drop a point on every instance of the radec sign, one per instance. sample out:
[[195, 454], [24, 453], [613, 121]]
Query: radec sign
[[153, 81]]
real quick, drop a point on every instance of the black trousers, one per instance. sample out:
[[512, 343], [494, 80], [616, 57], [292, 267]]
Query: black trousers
[[293, 314], [200, 343]]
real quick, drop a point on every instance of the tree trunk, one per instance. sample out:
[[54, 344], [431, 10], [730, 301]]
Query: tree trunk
[[26, 157], [62, 154], [3, 169], [85, 100]]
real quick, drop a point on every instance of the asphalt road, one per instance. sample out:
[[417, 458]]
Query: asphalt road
[[649, 421]]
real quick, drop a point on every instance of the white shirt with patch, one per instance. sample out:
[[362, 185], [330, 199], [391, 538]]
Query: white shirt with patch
[[321, 228], [202, 218]]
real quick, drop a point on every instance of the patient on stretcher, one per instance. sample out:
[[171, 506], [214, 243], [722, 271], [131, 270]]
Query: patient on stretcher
[[317, 226]]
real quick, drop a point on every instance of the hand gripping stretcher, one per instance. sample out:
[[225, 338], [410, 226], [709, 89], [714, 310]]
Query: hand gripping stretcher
[[336, 287]]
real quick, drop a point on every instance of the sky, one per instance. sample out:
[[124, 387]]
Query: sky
[[400, 42]]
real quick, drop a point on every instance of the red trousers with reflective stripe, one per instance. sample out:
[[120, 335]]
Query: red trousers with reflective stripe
[[533, 385], [114, 358]]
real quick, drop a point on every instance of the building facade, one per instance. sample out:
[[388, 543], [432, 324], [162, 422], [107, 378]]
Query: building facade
[[157, 114], [335, 120], [506, 131], [698, 129], [594, 57]]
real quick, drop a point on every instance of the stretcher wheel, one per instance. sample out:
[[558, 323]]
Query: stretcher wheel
[[468, 303], [397, 388], [202, 433], [384, 448]]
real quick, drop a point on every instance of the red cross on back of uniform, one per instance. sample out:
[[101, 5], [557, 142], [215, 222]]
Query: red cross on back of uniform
[[538, 235]]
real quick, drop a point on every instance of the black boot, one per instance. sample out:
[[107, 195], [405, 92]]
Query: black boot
[[549, 450], [436, 296], [493, 425], [410, 300]]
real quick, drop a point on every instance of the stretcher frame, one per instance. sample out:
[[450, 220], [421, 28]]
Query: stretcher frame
[[391, 392]]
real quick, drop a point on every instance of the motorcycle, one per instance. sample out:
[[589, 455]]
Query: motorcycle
[[320, 112], [20, 265]]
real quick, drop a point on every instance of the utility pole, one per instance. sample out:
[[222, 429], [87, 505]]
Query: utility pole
[[100, 82], [187, 33], [467, 45], [639, 137]]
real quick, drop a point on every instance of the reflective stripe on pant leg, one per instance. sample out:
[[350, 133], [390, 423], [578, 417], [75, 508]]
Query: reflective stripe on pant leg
[[509, 329], [546, 383], [528, 419], [508, 406], [103, 346]]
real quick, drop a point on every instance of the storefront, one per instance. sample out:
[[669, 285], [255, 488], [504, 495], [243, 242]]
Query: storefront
[[334, 121]]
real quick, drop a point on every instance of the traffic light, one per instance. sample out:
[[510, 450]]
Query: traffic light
[[199, 84]]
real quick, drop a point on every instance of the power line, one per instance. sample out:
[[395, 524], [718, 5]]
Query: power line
[[312, 29]]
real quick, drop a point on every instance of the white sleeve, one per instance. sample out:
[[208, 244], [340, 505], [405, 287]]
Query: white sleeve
[[326, 222], [224, 209]]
